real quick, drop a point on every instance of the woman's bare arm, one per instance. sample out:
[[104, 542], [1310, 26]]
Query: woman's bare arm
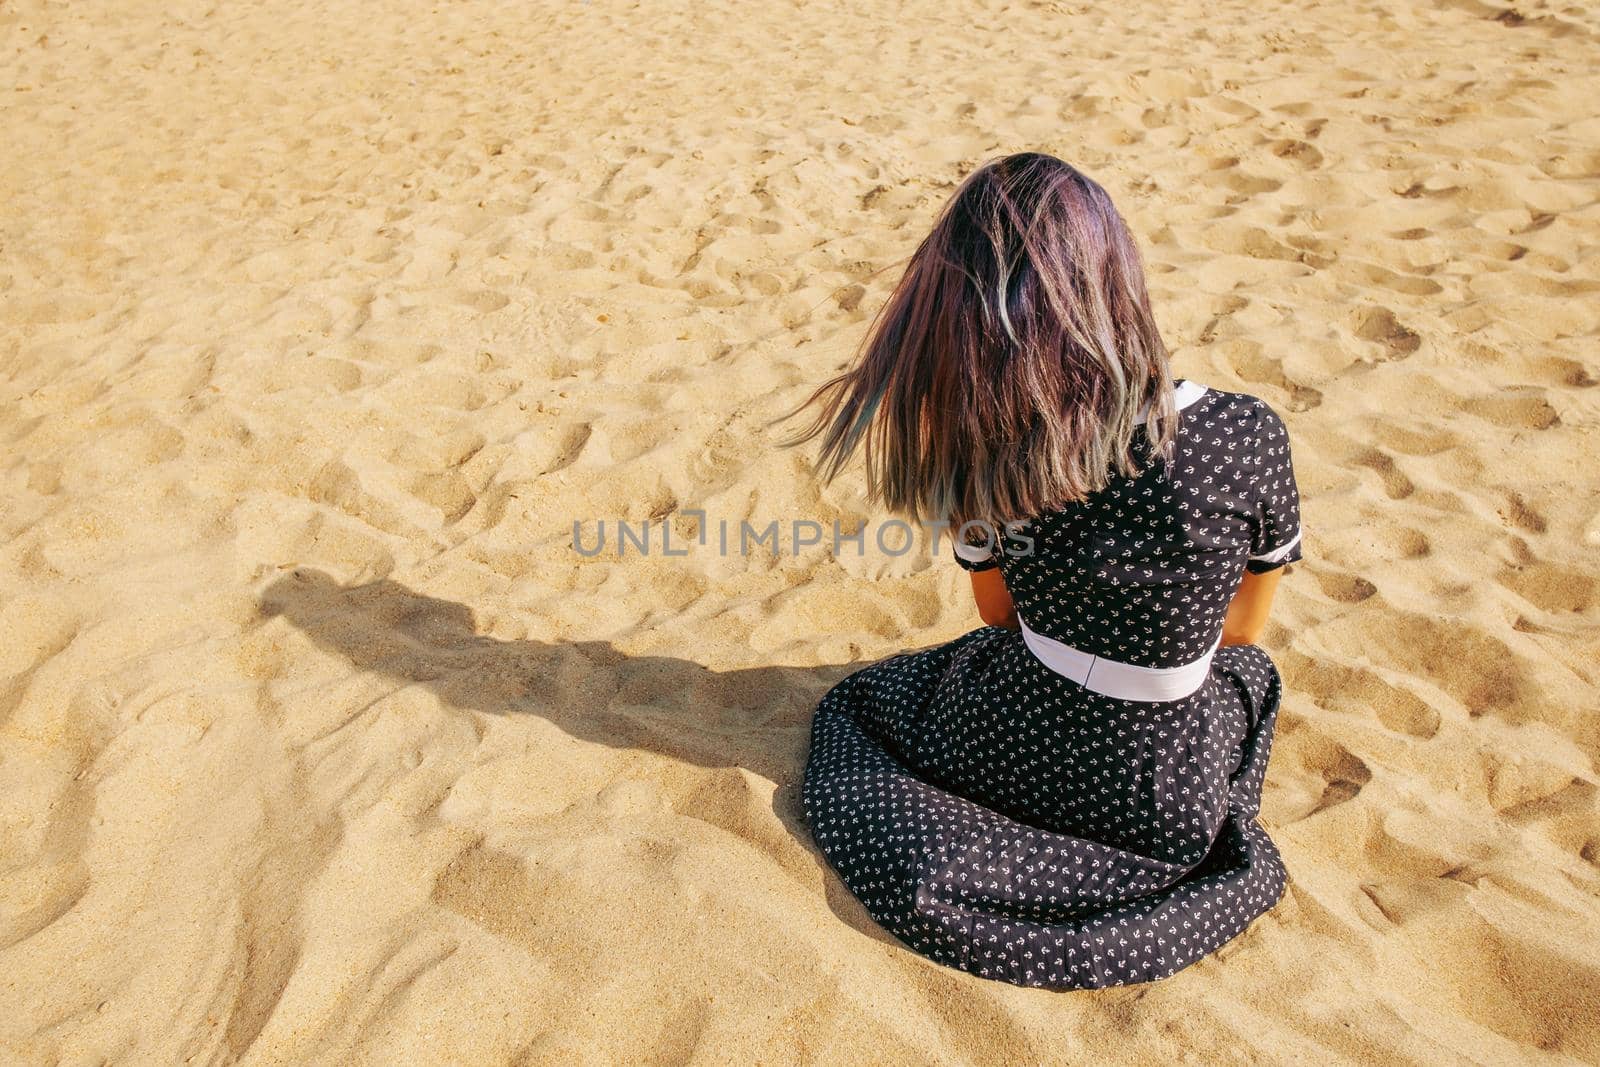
[[1247, 613], [994, 599]]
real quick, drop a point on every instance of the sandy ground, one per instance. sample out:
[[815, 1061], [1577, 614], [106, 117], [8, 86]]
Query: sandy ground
[[322, 323]]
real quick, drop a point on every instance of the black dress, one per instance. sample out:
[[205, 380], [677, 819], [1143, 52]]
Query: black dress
[[1075, 805]]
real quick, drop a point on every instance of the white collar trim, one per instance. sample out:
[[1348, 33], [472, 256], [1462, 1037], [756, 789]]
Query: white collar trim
[[1187, 392]]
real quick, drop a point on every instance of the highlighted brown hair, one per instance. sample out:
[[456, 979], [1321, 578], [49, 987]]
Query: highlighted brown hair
[[1006, 372]]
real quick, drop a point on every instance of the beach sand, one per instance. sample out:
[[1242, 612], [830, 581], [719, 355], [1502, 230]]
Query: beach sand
[[322, 323]]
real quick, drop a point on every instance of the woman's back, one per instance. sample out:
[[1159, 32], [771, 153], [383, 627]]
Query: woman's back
[[1143, 571]]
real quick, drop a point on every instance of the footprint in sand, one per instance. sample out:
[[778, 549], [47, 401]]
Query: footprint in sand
[[1395, 484], [1551, 587], [1511, 406], [1301, 153], [1342, 773], [1379, 325], [1345, 588], [1363, 691]]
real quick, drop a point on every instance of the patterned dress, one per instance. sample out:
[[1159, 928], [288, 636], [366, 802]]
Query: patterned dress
[[1074, 805]]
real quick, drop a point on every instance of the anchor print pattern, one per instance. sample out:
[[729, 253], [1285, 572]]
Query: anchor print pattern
[[1001, 818]]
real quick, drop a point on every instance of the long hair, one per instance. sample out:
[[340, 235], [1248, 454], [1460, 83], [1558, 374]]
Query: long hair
[[1007, 371]]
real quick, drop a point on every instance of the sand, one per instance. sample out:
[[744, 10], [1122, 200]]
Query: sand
[[324, 322]]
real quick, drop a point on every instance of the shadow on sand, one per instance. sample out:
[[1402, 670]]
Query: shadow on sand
[[757, 718]]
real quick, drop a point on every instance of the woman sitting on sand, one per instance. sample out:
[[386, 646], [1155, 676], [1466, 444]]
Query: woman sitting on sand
[[1066, 797]]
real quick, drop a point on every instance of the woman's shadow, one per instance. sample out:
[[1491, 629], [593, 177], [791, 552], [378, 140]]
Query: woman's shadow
[[756, 718]]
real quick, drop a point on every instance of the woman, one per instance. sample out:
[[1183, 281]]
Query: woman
[[1066, 797]]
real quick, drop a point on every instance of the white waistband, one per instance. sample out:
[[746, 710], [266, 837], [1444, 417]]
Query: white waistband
[[1113, 678]]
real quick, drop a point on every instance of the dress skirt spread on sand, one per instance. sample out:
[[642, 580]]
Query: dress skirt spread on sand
[[1074, 804]]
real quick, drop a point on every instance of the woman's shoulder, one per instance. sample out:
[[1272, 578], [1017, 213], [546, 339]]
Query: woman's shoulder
[[1231, 411], [1232, 401], [1235, 436]]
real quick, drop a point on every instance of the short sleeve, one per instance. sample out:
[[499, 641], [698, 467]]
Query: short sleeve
[[977, 553], [1275, 524]]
